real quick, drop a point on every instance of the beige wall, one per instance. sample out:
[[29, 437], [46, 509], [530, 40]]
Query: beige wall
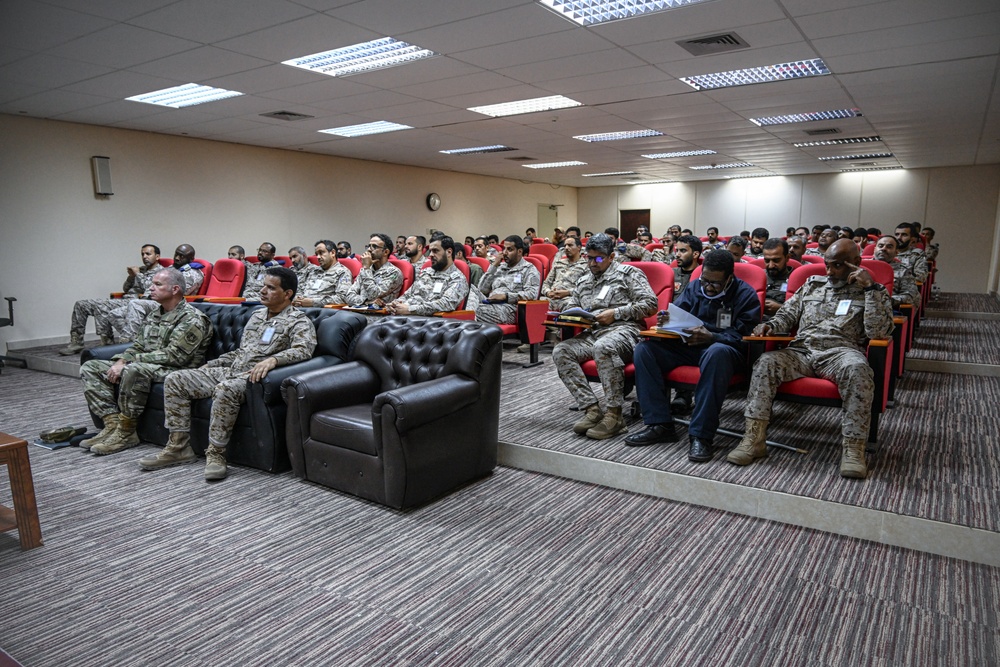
[[60, 243], [960, 203]]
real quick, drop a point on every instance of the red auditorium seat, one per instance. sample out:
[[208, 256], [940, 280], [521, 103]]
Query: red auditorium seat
[[406, 267]]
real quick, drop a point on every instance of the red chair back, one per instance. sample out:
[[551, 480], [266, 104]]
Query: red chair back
[[284, 260], [654, 246], [547, 250], [483, 263], [801, 275], [541, 263], [881, 272], [813, 244], [313, 259], [166, 262], [813, 259], [208, 275], [497, 247], [661, 280], [353, 264], [468, 249], [868, 250], [537, 240], [252, 259], [406, 268], [759, 261], [755, 276], [227, 278]]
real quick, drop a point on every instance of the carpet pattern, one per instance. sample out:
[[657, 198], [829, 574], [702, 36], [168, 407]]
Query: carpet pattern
[[948, 339], [518, 569], [965, 302]]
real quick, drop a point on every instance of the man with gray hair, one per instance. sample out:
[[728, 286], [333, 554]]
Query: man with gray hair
[[301, 265], [174, 336], [619, 298]]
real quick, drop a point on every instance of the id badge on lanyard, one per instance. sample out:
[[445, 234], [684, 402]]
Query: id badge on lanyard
[[724, 318]]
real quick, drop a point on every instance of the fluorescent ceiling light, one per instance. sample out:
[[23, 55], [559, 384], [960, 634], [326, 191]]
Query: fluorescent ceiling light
[[833, 114], [647, 182], [527, 106], [847, 171], [749, 175], [616, 136], [728, 165], [377, 127], [612, 173], [743, 77], [667, 156], [187, 95], [865, 156], [376, 54], [837, 142], [589, 12], [498, 148], [550, 165]]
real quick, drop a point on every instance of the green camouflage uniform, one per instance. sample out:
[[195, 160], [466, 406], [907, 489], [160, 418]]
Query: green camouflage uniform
[[386, 283], [626, 289], [135, 287], [332, 286], [123, 323], [433, 291], [166, 342], [826, 345], [519, 282], [289, 337], [563, 275]]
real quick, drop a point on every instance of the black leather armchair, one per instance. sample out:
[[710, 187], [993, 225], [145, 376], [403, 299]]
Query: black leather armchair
[[259, 434], [414, 415]]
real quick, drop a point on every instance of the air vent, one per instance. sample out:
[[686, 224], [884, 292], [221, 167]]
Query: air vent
[[520, 159], [711, 44], [286, 115], [828, 130]]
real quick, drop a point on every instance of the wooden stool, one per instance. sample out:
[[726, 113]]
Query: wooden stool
[[24, 516]]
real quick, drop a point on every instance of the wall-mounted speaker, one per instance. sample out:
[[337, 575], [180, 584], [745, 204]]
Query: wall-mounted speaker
[[101, 166]]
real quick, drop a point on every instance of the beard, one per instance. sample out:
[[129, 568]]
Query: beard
[[440, 265], [837, 283]]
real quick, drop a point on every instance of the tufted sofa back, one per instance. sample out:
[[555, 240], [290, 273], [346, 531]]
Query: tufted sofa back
[[407, 350]]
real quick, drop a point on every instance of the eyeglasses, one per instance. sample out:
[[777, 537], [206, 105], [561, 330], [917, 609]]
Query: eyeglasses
[[372, 246]]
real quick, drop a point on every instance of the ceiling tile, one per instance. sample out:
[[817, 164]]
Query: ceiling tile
[[214, 21], [35, 26], [122, 46], [302, 37]]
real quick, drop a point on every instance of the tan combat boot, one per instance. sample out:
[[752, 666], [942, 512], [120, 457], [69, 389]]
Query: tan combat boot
[[215, 463], [752, 446], [591, 418], [123, 438], [177, 452], [611, 425], [852, 459], [110, 426], [75, 346]]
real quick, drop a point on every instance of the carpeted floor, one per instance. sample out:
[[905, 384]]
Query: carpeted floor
[[969, 341], [965, 302]]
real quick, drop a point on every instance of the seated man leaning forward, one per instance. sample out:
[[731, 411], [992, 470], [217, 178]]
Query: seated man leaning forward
[[620, 297], [510, 279], [439, 287], [730, 309], [276, 335], [834, 315], [173, 336], [378, 282], [330, 285]]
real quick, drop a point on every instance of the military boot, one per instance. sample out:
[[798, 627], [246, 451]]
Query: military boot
[[752, 445], [110, 426], [611, 425], [591, 418], [75, 346], [177, 452], [123, 438], [215, 463], [852, 459]]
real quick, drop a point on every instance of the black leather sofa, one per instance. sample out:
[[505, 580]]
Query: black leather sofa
[[259, 435], [412, 416]]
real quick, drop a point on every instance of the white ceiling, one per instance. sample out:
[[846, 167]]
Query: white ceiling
[[923, 73]]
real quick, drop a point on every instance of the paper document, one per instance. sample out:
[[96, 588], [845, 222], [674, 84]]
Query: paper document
[[679, 321]]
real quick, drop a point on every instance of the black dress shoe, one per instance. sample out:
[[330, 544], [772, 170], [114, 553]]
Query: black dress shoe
[[652, 435], [699, 451], [681, 405]]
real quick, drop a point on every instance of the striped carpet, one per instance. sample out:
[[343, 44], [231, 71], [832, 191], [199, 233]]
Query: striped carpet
[[965, 302], [519, 569], [969, 341]]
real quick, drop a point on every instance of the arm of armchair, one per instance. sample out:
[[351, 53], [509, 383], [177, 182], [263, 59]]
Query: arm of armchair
[[425, 402], [104, 352]]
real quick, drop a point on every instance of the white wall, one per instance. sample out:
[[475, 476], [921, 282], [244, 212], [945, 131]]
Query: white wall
[[60, 242], [960, 203]]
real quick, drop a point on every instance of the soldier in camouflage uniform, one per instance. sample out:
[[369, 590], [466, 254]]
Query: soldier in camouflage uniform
[[174, 336], [276, 335], [137, 285], [439, 287], [255, 271], [636, 250], [301, 265], [123, 323], [776, 264], [666, 253], [510, 279], [621, 298], [908, 253], [834, 315], [330, 285], [379, 282], [825, 239], [904, 284], [931, 249], [565, 271]]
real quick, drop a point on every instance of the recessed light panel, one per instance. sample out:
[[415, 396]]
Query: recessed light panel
[[378, 127], [611, 173], [376, 54], [550, 165], [647, 182], [864, 156], [728, 165], [837, 142], [806, 117], [590, 12], [616, 136], [497, 148], [848, 171], [749, 175], [667, 156], [526, 106], [765, 74], [187, 95]]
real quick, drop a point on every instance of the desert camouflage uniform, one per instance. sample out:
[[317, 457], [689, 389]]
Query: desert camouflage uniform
[[255, 278], [434, 291], [520, 282], [327, 287], [123, 323], [904, 284], [815, 251], [563, 275], [626, 289], [662, 255], [914, 258], [931, 251], [224, 380], [826, 345], [385, 283], [167, 342], [135, 287], [307, 270], [637, 253]]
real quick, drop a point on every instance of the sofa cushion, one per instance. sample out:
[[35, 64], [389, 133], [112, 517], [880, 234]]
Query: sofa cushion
[[348, 427]]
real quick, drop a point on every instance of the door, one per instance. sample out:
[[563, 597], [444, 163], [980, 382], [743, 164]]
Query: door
[[631, 220]]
